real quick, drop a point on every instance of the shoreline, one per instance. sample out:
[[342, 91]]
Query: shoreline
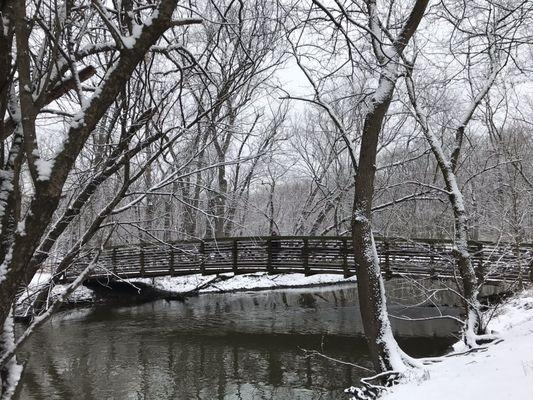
[[501, 370], [141, 290]]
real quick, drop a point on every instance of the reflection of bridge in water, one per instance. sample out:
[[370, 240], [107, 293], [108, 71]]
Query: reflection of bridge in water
[[305, 254]]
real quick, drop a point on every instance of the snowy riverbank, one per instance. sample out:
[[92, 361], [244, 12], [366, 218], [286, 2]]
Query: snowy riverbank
[[199, 283], [231, 283], [502, 371]]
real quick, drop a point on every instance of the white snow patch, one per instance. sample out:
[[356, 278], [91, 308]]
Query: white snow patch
[[129, 41], [5, 264], [184, 284], [78, 119], [150, 20], [6, 186], [256, 281], [41, 279], [80, 294], [383, 91], [21, 228], [5, 24], [504, 371], [44, 168]]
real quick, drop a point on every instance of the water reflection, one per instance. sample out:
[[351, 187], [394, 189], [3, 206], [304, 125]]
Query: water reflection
[[234, 346]]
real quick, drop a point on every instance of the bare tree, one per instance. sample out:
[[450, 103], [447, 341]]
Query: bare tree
[[56, 46], [496, 26], [385, 38]]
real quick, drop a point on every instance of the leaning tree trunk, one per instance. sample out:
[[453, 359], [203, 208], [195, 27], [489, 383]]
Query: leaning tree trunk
[[20, 246], [463, 259], [384, 350], [448, 166]]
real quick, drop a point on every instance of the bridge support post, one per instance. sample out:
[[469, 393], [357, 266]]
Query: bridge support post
[[433, 273], [171, 262], [141, 261], [114, 261], [345, 258], [305, 257], [235, 256], [270, 269], [388, 271], [202, 258], [480, 268]]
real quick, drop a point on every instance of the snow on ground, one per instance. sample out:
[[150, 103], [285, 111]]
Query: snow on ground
[[504, 371], [178, 284], [183, 284], [81, 294], [231, 282], [40, 280]]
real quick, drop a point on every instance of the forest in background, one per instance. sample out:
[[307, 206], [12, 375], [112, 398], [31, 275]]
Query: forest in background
[[131, 122], [262, 156]]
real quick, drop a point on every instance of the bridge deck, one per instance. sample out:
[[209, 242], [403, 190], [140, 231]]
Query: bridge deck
[[308, 255]]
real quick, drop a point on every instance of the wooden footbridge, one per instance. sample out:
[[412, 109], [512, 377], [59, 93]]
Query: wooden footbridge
[[307, 255]]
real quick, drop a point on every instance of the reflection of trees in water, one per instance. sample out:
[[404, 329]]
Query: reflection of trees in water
[[164, 351], [245, 371], [307, 300], [106, 364]]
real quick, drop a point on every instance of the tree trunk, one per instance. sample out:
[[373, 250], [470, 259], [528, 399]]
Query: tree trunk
[[11, 372], [473, 326], [384, 350]]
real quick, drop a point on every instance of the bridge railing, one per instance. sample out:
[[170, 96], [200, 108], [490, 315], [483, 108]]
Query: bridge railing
[[303, 254]]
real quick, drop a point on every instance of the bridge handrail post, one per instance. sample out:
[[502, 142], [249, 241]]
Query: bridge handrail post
[[235, 256], [480, 269], [114, 260], [386, 250], [141, 260], [530, 261], [345, 267], [202, 258], [270, 270], [305, 257], [433, 272]]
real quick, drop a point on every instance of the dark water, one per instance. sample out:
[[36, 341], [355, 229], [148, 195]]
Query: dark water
[[226, 346]]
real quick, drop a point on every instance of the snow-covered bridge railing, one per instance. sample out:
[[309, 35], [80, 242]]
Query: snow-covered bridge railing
[[308, 255]]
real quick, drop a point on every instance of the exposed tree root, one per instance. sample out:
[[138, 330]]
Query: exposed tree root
[[373, 386]]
